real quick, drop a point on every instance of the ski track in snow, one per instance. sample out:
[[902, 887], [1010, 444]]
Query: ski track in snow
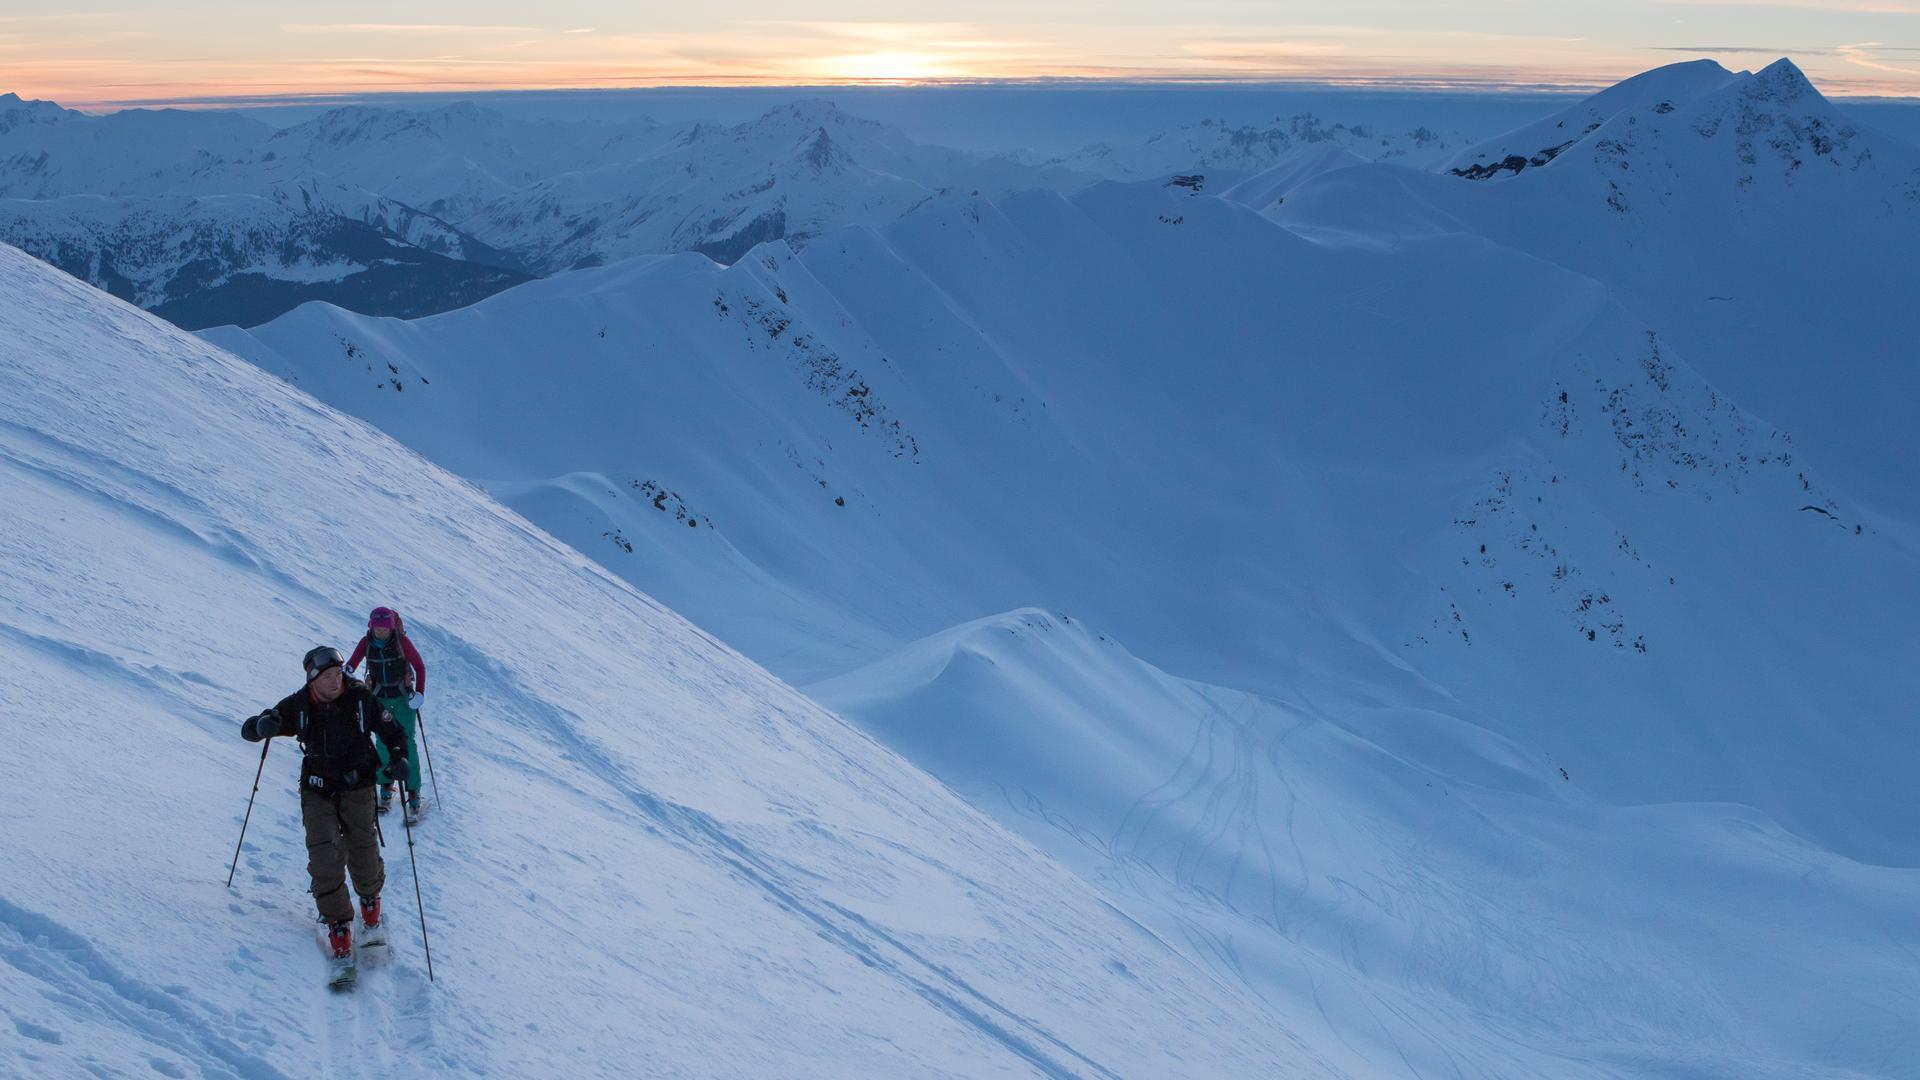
[[701, 834]]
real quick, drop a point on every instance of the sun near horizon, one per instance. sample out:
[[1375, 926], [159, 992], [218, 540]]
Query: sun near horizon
[[142, 52]]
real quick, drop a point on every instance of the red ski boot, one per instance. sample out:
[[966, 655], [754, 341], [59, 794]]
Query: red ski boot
[[340, 939], [370, 912]]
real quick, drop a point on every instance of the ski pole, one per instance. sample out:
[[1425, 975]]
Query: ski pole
[[420, 717], [417, 901], [265, 745]]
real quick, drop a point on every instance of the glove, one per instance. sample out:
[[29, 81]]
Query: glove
[[397, 769], [415, 700], [265, 725]]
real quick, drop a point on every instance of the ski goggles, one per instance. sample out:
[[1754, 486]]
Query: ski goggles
[[320, 659]]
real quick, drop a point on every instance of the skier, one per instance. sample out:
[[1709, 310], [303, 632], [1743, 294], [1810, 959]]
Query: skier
[[336, 720], [398, 677]]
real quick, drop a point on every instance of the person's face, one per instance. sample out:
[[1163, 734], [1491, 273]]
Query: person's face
[[328, 684], [382, 634]]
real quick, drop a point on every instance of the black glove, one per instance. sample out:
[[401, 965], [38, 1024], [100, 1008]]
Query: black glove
[[263, 726], [397, 769]]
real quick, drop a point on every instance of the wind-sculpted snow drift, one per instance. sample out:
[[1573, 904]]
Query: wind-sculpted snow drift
[[1428, 896], [653, 858]]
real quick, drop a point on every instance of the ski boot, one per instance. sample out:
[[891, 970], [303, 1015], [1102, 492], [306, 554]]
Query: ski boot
[[386, 799], [340, 939], [370, 913], [414, 809]]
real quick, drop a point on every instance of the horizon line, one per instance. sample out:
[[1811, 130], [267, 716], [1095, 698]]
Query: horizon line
[[1403, 84]]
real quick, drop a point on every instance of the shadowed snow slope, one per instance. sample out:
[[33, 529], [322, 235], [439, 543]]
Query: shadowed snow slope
[[1427, 470], [653, 858], [1263, 189], [1431, 898], [1772, 240]]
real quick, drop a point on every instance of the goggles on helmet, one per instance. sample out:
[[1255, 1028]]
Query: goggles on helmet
[[320, 659]]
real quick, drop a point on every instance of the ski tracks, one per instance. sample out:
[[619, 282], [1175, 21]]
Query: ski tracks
[[871, 944]]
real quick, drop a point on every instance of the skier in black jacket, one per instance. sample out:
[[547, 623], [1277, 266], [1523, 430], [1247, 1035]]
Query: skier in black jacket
[[336, 720]]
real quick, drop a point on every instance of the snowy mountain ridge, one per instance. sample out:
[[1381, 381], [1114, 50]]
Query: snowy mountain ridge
[[1236, 151], [545, 195], [1758, 229]]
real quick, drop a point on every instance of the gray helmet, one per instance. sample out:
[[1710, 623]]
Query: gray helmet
[[319, 659]]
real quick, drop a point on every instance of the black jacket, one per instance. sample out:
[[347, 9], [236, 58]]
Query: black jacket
[[337, 737]]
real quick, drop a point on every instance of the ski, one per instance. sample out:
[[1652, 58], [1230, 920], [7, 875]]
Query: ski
[[342, 973]]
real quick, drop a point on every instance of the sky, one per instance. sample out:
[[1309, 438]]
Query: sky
[[109, 53]]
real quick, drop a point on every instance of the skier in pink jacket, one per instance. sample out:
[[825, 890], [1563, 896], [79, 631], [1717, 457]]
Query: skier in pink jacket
[[398, 678]]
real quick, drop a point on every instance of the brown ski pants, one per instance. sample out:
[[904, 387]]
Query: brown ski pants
[[341, 840]]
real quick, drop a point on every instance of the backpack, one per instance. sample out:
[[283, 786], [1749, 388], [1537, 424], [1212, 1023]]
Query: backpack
[[400, 656]]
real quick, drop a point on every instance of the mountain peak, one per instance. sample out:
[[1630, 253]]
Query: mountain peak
[[1781, 80], [11, 101], [1659, 91], [808, 111], [371, 123], [809, 115], [16, 111], [821, 153]]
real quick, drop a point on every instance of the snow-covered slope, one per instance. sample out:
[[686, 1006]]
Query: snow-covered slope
[[1430, 897], [652, 857], [1357, 474], [1264, 189], [1769, 238], [1659, 91]]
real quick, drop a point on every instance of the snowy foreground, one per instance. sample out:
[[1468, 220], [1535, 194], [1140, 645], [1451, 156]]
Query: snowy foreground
[[1472, 644], [653, 858]]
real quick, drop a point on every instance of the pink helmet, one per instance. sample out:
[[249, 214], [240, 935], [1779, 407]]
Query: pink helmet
[[381, 619]]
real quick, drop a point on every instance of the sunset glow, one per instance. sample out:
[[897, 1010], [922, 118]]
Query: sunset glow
[[884, 67], [147, 52]]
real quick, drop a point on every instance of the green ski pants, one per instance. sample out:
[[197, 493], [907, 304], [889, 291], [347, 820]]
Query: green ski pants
[[410, 722]]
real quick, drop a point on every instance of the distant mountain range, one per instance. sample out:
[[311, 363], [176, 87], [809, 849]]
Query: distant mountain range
[[213, 217]]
